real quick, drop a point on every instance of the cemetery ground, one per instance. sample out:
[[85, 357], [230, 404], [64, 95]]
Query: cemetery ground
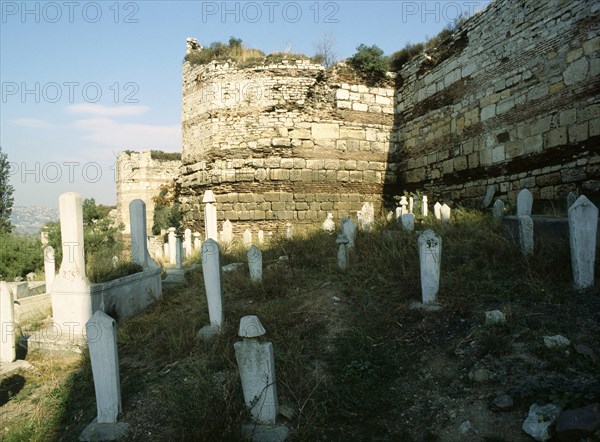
[[353, 360]]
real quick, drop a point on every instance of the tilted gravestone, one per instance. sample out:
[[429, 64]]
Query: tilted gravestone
[[430, 256], [257, 371], [583, 226], [445, 213], [211, 269], [367, 216]]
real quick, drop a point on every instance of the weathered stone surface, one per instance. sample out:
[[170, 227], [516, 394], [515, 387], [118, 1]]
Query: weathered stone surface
[[524, 202], [583, 226], [430, 255], [540, 420], [579, 423], [526, 239]]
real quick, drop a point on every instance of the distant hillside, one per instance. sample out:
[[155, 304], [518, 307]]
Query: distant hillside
[[28, 220]]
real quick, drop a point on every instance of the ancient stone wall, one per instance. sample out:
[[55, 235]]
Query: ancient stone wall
[[141, 176], [511, 101], [283, 142]]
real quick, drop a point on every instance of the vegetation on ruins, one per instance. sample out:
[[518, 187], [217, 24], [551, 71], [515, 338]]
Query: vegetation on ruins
[[370, 64], [165, 156], [167, 212], [19, 255], [6, 191], [353, 361], [219, 51]]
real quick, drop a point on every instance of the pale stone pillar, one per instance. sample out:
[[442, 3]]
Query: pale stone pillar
[[445, 213], [197, 242], [437, 211], [261, 237], [49, 267], [255, 263], [210, 216], [524, 202], [139, 235], [367, 217], [167, 252], [102, 341], [178, 253], [187, 245], [72, 303], [7, 325], [408, 221], [398, 213], [247, 238], [172, 246], [289, 231], [256, 363], [411, 204], [227, 232], [430, 255], [342, 255], [424, 207], [583, 226]]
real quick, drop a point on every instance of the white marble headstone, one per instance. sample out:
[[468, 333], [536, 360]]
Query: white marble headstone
[[430, 256], [445, 212], [101, 331], [424, 207], [403, 205], [187, 242], [367, 217], [255, 263], [342, 256], [211, 269], [349, 229], [49, 267], [210, 215], [256, 364], [247, 238], [227, 232], [524, 202], [411, 204], [172, 246], [498, 210], [437, 210], [408, 221], [583, 226], [329, 224], [261, 237], [526, 234]]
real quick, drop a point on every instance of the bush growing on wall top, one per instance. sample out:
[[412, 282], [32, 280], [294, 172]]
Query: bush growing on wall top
[[370, 64]]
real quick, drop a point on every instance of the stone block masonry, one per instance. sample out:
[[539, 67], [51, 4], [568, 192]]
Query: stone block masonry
[[283, 142], [511, 100]]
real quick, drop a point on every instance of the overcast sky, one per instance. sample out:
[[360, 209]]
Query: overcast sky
[[83, 81]]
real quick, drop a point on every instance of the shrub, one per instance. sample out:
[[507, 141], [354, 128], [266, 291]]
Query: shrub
[[105, 271], [165, 156], [370, 64], [404, 55], [220, 51]]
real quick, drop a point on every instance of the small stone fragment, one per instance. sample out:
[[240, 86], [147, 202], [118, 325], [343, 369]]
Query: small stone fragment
[[539, 421], [479, 375], [465, 427], [556, 341], [494, 317], [503, 402]]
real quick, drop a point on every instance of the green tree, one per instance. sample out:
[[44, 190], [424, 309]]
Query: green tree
[[370, 64], [6, 191]]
